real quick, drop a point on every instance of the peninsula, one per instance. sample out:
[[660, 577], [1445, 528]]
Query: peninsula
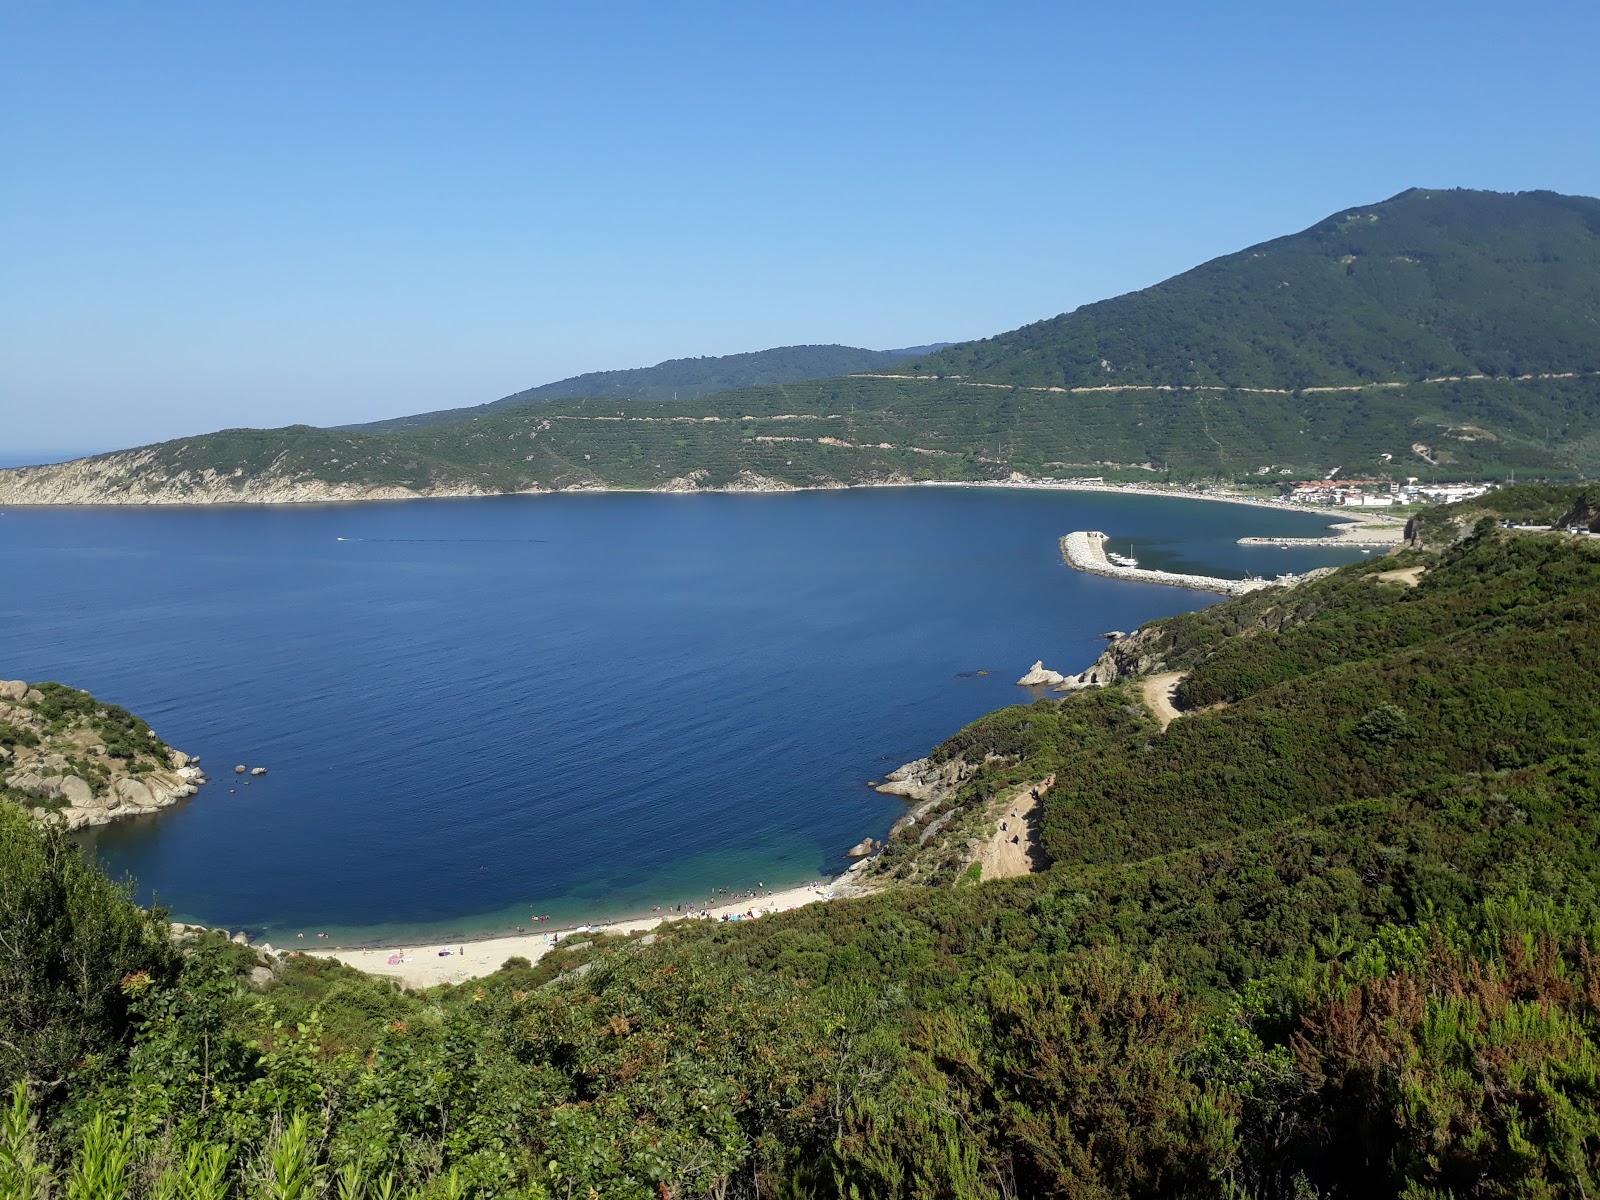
[[74, 761]]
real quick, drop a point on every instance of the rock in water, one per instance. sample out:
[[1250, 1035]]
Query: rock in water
[[1039, 676], [861, 849], [258, 770], [240, 769]]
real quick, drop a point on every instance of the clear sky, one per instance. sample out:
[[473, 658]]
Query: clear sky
[[228, 213]]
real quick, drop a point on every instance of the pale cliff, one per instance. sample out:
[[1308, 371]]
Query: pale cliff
[[137, 477], [140, 477]]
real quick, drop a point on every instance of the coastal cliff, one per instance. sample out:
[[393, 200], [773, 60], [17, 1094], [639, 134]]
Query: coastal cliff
[[73, 761], [145, 477], [139, 477]]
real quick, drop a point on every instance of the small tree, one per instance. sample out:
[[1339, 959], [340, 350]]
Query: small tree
[[71, 937]]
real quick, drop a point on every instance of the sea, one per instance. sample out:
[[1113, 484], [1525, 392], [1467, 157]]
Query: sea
[[474, 712]]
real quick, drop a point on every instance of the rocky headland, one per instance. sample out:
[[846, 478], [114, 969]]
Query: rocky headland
[[143, 477], [72, 760], [139, 477]]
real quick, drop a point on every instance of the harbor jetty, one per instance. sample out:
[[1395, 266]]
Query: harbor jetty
[[1086, 550], [1354, 534]]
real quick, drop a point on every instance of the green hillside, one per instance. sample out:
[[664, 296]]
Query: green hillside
[[675, 379], [1439, 335], [1329, 934], [1429, 283]]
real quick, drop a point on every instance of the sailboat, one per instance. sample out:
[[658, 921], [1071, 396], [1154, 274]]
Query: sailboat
[[1123, 560]]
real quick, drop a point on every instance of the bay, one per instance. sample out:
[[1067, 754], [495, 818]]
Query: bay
[[474, 711]]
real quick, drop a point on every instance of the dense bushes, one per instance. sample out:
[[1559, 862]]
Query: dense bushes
[[69, 939]]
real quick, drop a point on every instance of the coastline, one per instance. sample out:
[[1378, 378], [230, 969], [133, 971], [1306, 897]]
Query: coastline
[[426, 966], [370, 949], [1014, 482]]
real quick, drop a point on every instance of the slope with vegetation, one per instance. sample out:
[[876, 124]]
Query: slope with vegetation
[[675, 379], [1437, 334], [1330, 933], [1429, 283]]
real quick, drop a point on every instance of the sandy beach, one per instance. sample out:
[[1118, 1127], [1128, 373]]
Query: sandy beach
[[424, 966]]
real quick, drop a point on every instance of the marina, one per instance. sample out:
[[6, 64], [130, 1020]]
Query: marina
[[1086, 550]]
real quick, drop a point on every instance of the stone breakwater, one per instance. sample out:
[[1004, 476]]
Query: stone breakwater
[[1350, 533], [1085, 550]]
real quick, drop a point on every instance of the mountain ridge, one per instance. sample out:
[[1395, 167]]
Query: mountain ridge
[[1438, 334], [672, 378], [1537, 227]]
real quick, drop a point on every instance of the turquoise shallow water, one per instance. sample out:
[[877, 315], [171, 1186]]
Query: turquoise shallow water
[[478, 710]]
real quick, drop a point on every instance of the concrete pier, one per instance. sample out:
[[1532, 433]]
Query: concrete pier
[[1086, 551]]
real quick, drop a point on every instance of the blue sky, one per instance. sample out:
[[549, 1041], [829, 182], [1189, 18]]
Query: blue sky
[[227, 214]]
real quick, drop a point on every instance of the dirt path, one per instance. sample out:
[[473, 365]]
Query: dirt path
[[1406, 576], [1014, 848], [1158, 691]]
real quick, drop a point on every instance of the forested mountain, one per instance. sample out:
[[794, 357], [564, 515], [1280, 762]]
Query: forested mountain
[[1439, 334], [675, 379], [1429, 283], [1330, 933]]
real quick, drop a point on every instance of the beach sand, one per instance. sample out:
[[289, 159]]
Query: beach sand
[[423, 966]]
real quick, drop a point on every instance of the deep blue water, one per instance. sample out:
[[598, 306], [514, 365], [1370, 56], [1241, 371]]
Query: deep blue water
[[475, 710]]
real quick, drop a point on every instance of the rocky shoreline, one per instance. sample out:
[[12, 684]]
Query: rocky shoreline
[[74, 762]]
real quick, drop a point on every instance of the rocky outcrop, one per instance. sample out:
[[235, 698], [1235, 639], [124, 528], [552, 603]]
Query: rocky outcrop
[[749, 481], [915, 815], [1039, 676], [699, 480], [1139, 653], [925, 779], [694, 481], [60, 766], [126, 796]]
